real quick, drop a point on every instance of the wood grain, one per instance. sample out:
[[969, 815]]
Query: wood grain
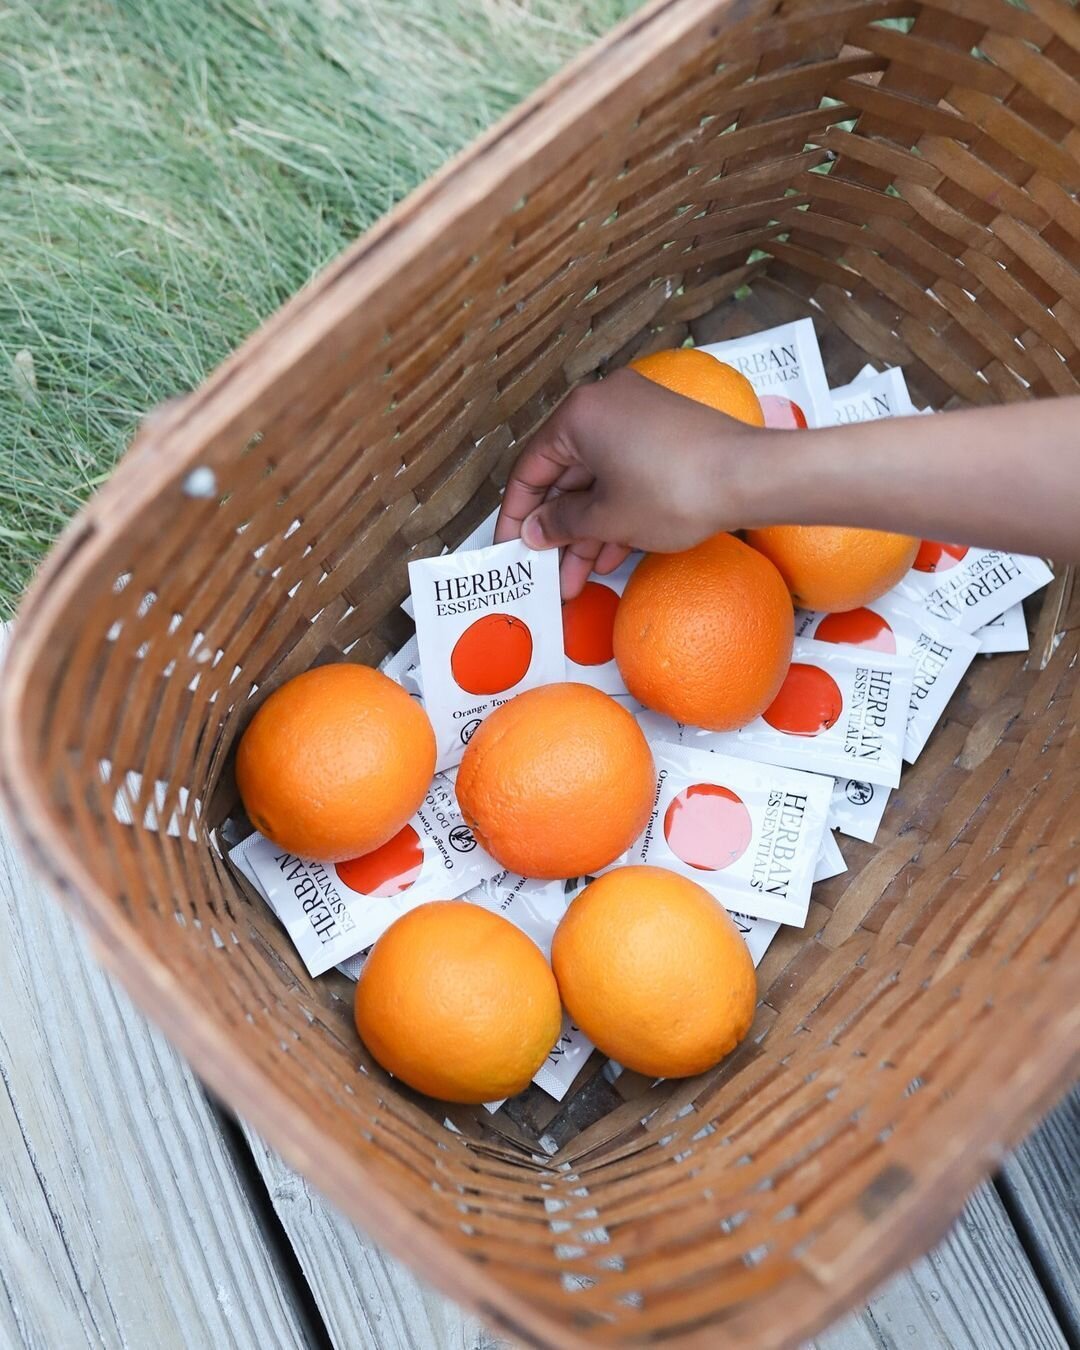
[[123, 1221], [976, 1291], [1041, 1183], [368, 1301]]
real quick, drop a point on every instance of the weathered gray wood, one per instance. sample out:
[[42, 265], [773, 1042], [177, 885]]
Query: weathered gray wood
[[368, 1301], [976, 1291], [123, 1220], [1041, 1183]]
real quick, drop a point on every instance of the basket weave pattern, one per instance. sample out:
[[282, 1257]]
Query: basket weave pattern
[[915, 192]]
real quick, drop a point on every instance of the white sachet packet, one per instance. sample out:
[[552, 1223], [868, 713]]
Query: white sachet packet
[[857, 807], [398, 663], [970, 586], [482, 537], [238, 856], [830, 861], [333, 911], [488, 626], [751, 833], [1007, 633], [939, 653], [840, 712], [784, 366], [870, 396], [588, 621]]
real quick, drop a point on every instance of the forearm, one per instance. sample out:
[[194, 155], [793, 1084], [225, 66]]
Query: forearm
[[997, 477]]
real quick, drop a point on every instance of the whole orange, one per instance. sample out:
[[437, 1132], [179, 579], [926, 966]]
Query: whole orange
[[835, 567], [458, 1003], [558, 782], [654, 972], [335, 762], [697, 375], [705, 635]]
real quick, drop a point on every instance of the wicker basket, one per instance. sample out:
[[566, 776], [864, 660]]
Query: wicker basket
[[708, 170]]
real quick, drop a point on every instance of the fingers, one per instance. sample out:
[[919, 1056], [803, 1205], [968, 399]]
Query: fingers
[[539, 467], [563, 519], [576, 567], [610, 557]]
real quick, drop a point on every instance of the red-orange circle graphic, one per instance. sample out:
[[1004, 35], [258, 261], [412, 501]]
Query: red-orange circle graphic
[[708, 826], [492, 655], [858, 628], [935, 557], [388, 870], [782, 413], [809, 702], [588, 622]]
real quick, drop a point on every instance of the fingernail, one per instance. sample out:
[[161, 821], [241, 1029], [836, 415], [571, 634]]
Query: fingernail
[[532, 532]]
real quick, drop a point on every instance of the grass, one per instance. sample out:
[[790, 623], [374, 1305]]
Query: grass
[[172, 170]]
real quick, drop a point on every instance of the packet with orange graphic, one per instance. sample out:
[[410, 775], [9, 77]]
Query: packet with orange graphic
[[871, 395], [238, 856], [970, 586], [830, 861], [481, 537], [588, 625], [857, 808], [332, 911], [488, 626], [938, 651], [840, 711], [749, 832], [784, 366], [1007, 633]]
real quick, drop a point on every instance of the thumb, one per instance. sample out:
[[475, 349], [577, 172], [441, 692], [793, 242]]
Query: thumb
[[559, 521]]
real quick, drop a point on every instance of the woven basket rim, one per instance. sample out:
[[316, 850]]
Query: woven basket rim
[[163, 451]]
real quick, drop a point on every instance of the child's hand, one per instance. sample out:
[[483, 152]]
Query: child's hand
[[626, 464]]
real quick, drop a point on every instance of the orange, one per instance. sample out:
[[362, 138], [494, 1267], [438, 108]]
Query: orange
[[809, 702], [558, 782], [858, 628], [705, 635], [335, 762], [697, 375], [835, 567], [492, 654], [458, 1003], [654, 972], [588, 623]]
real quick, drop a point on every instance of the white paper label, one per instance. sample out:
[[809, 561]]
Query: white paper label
[[750, 833], [1007, 633], [840, 711], [871, 396], [830, 861], [939, 654], [332, 911], [489, 626], [857, 808], [784, 366], [970, 586], [482, 537]]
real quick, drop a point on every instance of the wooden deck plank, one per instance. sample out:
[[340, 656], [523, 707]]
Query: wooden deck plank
[[123, 1219], [1041, 1185], [368, 1301], [976, 1291]]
